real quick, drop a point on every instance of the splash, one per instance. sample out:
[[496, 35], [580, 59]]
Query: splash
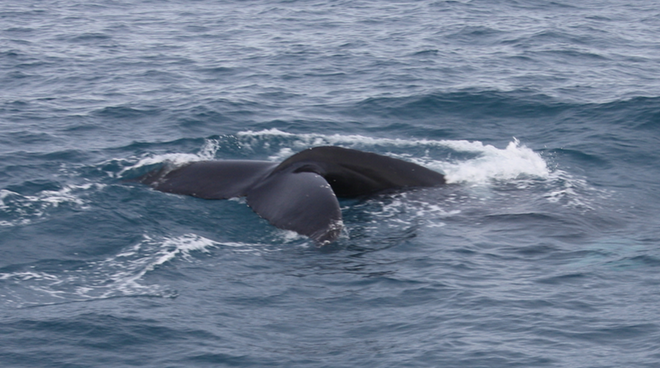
[[469, 163], [117, 276], [23, 209], [487, 163], [513, 162], [310, 140], [206, 152], [490, 163], [145, 256]]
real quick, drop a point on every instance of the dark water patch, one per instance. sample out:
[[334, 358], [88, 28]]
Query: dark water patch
[[126, 112], [524, 220], [196, 29], [279, 96], [160, 76], [220, 71], [17, 76], [200, 117], [472, 105], [82, 129], [19, 30], [480, 35], [533, 251], [581, 157], [10, 54], [238, 360], [557, 37], [102, 334], [29, 138], [426, 53], [606, 334], [71, 155], [636, 261], [91, 37], [568, 55], [573, 278], [641, 113]]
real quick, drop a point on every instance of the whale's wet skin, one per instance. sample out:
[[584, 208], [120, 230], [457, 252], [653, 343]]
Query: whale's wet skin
[[299, 194]]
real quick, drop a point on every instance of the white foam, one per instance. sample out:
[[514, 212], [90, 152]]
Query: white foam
[[312, 139], [282, 154], [127, 268], [485, 165], [573, 192], [404, 210], [4, 193], [119, 275], [64, 195], [26, 208], [209, 149], [182, 245], [177, 159], [513, 162], [492, 163], [27, 275], [206, 152]]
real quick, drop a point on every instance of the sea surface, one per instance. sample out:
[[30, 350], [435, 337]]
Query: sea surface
[[542, 251]]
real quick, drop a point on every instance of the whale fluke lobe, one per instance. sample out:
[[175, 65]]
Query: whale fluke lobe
[[302, 202], [299, 194], [209, 179]]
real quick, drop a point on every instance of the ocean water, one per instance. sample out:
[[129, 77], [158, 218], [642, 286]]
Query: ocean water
[[542, 251]]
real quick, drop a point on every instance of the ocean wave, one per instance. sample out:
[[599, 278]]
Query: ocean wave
[[206, 152], [120, 275], [18, 209]]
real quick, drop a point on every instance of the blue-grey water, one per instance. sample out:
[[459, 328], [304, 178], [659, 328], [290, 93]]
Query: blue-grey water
[[542, 251]]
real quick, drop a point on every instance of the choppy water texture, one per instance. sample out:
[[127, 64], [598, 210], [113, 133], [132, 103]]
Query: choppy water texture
[[543, 251]]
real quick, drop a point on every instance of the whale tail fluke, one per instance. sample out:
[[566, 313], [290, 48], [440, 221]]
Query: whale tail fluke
[[299, 194]]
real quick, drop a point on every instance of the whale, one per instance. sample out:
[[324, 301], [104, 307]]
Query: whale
[[300, 193]]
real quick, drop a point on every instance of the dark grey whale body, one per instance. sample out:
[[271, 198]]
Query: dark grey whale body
[[300, 193]]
